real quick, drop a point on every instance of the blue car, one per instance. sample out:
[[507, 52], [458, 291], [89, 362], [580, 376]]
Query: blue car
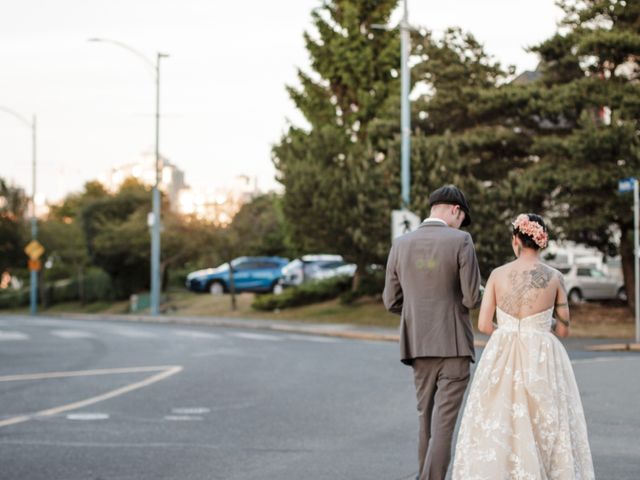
[[250, 274]]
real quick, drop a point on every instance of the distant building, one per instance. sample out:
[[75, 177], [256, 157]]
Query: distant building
[[527, 77], [171, 177], [219, 205]]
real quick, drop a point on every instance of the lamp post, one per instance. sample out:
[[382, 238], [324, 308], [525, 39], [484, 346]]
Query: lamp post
[[405, 122], [33, 294], [405, 110], [156, 214]]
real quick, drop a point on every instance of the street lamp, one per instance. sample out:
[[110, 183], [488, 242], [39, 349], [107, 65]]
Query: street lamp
[[155, 229], [33, 296], [405, 111]]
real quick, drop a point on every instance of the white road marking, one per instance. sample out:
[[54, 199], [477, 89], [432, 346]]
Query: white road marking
[[72, 334], [80, 373], [165, 373], [88, 416], [256, 336], [133, 333], [190, 411], [9, 335], [196, 334], [44, 322], [314, 338], [183, 418], [223, 351]]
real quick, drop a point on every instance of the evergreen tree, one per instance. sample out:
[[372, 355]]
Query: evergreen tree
[[13, 226], [587, 107], [454, 141], [336, 192]]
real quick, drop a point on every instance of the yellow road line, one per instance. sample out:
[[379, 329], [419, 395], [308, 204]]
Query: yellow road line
[[165, 373]]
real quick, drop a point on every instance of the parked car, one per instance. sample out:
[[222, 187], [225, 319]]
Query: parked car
[[584, 282], [250, 274], [315, 267]]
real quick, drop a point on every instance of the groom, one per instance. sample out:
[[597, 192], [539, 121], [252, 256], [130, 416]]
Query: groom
[[432, 281]]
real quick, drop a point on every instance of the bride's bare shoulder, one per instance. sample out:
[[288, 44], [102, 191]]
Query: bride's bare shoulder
[[502, 270], [553, 272]]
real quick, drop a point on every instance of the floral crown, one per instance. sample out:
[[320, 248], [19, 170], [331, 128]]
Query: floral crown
[[532, 229]]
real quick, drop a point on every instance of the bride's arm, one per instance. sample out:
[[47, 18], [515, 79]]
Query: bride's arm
[[488, 307], [562, 313]]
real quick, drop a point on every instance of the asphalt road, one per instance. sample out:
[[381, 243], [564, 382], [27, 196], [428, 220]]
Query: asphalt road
[[109, 400]]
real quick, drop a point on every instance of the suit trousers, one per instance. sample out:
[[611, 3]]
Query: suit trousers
[[440, 386]]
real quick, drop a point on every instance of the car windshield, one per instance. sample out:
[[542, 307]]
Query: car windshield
[[235, 263]]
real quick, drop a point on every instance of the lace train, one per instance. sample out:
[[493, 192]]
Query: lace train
[[523, 419]]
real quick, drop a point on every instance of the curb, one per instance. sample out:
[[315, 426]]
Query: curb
[[346, 331], [615, 347], [331, 330]]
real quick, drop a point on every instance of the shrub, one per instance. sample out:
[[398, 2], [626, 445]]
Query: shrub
[[371, 285], [305, 294], [97, 287]]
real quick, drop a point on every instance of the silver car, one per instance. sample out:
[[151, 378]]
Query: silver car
[[585, 282], [315, 267]]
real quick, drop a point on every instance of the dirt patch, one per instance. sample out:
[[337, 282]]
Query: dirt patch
[[590, 313]]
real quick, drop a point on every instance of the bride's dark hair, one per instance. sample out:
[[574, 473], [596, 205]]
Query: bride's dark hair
[[527, 240]]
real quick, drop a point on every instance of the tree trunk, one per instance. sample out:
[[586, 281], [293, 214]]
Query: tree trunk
[[232, 288], [81, 284], [357, 278], [628, 273]]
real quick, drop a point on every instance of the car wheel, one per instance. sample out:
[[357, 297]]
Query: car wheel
[[575, 296], [216, 288], [622, 294], [277, 288]]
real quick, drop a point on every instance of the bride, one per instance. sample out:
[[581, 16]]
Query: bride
[[523, 418]]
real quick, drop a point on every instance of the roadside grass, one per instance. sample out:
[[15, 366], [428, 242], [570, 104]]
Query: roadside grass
[[597, 320]]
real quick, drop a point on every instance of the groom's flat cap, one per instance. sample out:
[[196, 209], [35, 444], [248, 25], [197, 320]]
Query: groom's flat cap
[[451, 195]]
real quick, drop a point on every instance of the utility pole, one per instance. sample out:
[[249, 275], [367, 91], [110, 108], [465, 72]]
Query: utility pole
[[405, 122], [405, 104], [34, 249], [156, 281], [33, 294]]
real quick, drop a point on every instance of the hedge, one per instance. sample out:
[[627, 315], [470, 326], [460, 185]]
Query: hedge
[[304, 294]]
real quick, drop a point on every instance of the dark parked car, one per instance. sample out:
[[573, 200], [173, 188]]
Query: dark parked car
[[250, 274]]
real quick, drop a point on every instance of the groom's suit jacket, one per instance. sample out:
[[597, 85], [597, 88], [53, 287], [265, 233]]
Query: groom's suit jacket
[[432, 281]]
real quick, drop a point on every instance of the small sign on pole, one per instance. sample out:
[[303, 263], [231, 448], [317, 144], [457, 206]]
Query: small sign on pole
[[34, 250], [626, 185], [403, 221], [35, 265], [631, 185]]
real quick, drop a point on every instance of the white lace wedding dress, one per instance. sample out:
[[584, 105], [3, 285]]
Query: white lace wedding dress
[[523, 418]]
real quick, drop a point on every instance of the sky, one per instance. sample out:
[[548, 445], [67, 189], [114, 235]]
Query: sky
[[223, 98]]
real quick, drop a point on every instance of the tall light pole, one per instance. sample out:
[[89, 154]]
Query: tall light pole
[[33, 294], [155, 227], [405, 112], [405, 105]]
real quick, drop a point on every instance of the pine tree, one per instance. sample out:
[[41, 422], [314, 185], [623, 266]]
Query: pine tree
[[587, 107], [337, 197], [455, 141]]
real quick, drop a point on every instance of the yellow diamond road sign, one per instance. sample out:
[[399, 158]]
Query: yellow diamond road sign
[[34, 249]]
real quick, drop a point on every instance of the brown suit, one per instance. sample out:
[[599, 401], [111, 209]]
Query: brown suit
[[432, 281]]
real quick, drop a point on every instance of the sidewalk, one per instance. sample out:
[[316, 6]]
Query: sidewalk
[[354, 332]]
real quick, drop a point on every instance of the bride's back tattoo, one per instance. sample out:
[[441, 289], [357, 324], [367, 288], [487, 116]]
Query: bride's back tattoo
[[525, 288]]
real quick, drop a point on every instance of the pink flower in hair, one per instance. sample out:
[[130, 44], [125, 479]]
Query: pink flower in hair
[[532, 229]]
